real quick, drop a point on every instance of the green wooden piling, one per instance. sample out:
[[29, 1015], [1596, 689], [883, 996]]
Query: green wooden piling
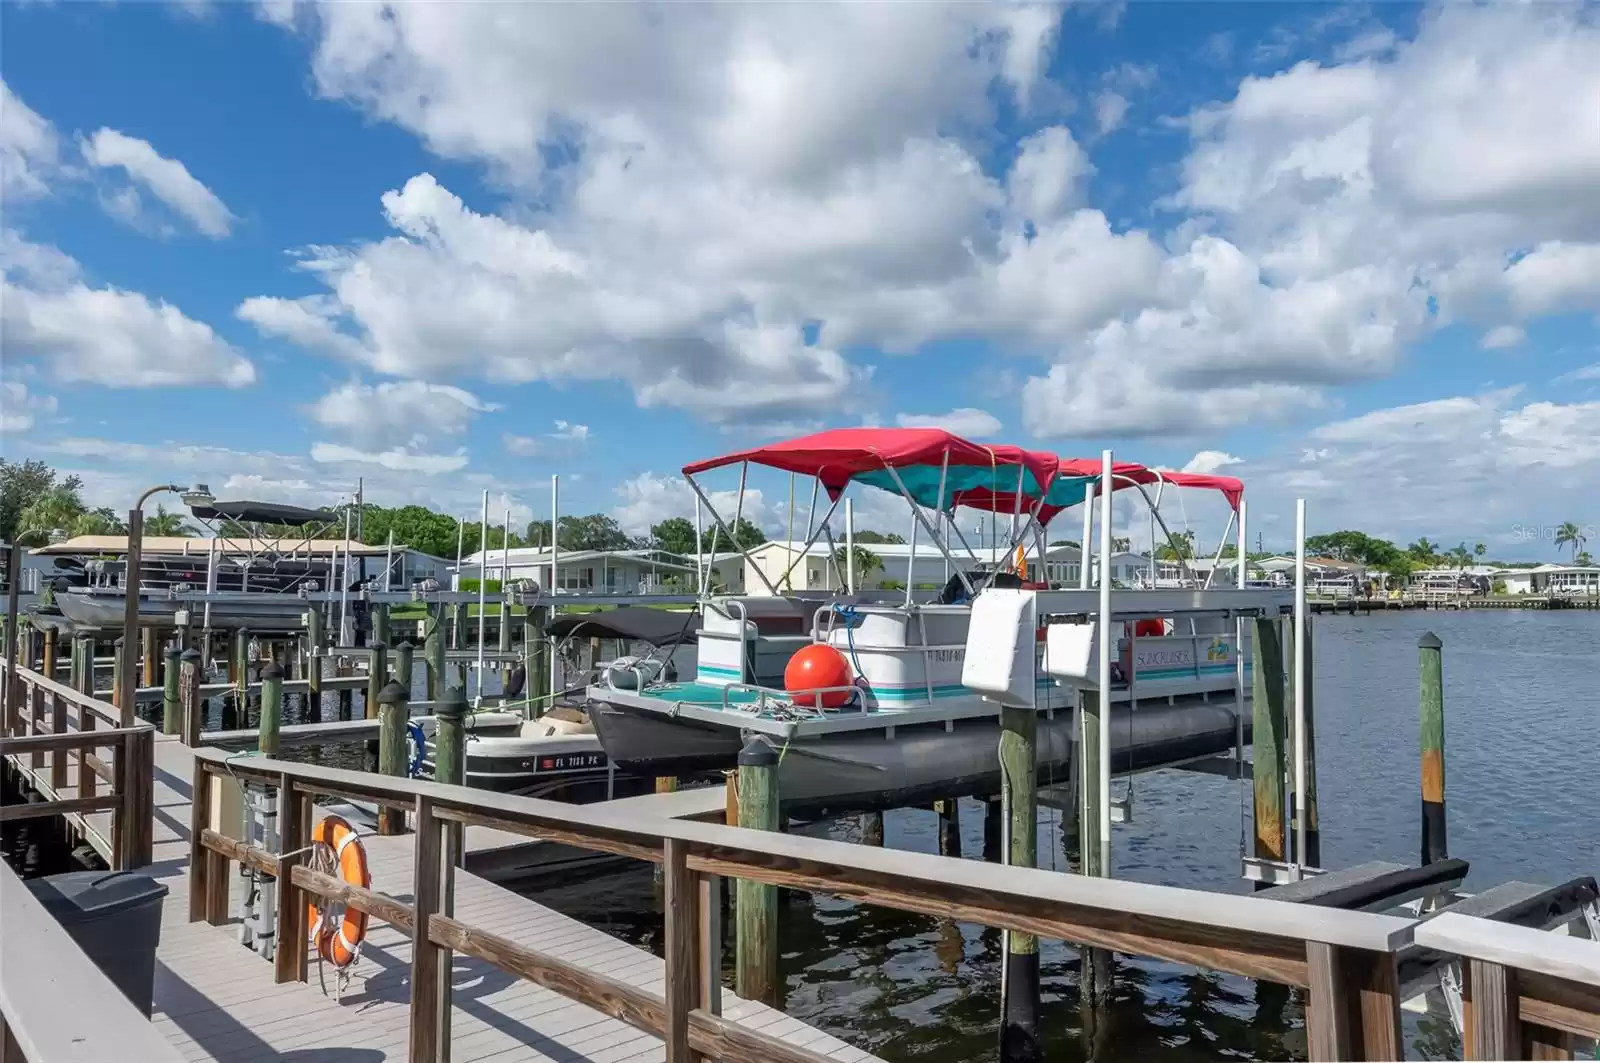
[[1019, 1023], [271, 708], [1269, 731], [1430, 708], [404, 666], [393, 711], [756, 927], [433, 652], [314, 663], [377, 677], [450, 739], [171, 708]]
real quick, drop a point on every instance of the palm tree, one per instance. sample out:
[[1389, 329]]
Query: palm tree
[[867, 563], [1480, 549], [1569, 534], [164, 523], [1583, 559], [1423, 550], [1461, 556]]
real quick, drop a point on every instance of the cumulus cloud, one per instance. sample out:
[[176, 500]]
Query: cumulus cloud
[[648, 499], [1211, 461], [167, 179], [397, 413], [29, 149], [966, 422], [566, 438], [105, 335], [20, 408], [399, 459], [1502, 336]]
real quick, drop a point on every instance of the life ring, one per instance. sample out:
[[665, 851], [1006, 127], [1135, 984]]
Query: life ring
[[337, 930], [417, 742]]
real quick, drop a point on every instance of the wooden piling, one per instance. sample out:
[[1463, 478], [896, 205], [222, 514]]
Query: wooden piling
[[1089, 841], [377, 677], [450, 742], [535, 660], [271, 708], [1019, 1023], [1430, 709], [171, 705], [116, 676], [147, 656], [1269, 730], [433, 647], [756, 918], [50, 640], [393, 711], [1313, 854], [189, 696], [314, 663], [404, 666], [949, 813]]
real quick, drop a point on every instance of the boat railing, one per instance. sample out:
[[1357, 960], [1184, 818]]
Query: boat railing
[[1345, 960]]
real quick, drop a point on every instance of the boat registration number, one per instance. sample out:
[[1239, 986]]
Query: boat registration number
[[572, 761]]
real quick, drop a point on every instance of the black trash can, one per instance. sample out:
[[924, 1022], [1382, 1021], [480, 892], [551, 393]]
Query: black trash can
[[115, 917]]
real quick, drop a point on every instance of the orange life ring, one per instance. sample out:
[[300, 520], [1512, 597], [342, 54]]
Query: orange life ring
[[337, 938]]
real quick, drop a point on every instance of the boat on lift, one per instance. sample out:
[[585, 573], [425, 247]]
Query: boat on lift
[[558, 754], [898, 725]]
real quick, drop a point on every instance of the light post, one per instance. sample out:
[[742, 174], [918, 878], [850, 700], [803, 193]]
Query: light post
[[194, 495]]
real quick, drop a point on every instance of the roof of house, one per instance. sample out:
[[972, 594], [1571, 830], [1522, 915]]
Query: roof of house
[[173, 544]]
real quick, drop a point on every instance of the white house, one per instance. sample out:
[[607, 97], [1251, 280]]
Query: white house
[[585, 571], [1562, 580]]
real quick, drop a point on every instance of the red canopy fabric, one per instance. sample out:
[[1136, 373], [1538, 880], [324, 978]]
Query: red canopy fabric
[[836, 456], [1125, 474], [1232, 489]]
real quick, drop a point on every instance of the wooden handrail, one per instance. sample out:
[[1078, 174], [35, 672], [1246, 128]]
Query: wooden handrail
[[1346, 959], [43, 1000], [129, 770], [1528, 992]]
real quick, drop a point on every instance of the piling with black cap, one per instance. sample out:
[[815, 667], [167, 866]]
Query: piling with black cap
[[450, 740], [756, 927], [1430, 709], [394, 707], [404, 665]]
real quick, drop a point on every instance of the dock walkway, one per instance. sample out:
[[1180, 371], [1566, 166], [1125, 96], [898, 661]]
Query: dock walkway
[[216, 999]]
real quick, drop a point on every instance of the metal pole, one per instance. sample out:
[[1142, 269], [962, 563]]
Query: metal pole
[[344, 584], [1299, 681], [1085, 551], [128, 658], [555, 547], [1244, 541], [483, 593], [13, 688], [699, 552], [850, 546], [1107, 636], [388, 560]]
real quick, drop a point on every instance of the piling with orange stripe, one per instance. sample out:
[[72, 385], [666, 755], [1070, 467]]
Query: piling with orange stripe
[[1430, 709]]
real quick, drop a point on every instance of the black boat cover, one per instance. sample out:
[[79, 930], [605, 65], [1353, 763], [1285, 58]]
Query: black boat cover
[[264, 513], [658, 627]]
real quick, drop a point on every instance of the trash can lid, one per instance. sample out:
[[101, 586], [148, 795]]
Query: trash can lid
[[81, 895]]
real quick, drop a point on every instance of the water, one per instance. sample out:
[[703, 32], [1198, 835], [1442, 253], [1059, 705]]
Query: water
[[1522, 703]]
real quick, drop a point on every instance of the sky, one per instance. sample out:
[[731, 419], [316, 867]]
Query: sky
[[1349, 254]]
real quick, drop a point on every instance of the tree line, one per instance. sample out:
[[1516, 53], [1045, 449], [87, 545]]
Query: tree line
[[38, 506]]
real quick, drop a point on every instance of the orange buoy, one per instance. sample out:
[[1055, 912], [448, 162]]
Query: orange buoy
[[816, 668], [338, 935]]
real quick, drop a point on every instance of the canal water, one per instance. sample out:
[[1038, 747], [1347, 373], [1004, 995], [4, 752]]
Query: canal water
[[1522, 693]]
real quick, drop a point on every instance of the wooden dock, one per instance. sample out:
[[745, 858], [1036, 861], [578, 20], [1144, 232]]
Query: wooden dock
[[215, 999]]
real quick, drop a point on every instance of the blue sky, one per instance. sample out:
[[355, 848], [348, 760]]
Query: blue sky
[[1294, 242]]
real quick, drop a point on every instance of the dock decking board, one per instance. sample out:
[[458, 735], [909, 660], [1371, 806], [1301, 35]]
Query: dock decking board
[[216, 1000]]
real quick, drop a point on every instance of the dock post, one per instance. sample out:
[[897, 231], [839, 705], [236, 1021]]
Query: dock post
[[116, 679], [949, 813], [1430, 708], [393, 711], [189, 695], [1089, 840], [449, 766], [991, 830], [404, 666], [1268, 731], [1312, 857], [314, 664], [147, 655], [50, 638], [534, 659], [1019, 1023], [756, 929], [271, 708], [171, 710], [504, 636], [433, 654], [377, 659]]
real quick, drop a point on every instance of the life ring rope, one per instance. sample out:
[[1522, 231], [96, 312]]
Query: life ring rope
[[338, 930]]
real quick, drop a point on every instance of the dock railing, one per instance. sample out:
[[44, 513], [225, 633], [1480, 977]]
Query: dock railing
[[57, 736], [1527, 993], [1346, 960], [56, 1006]]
